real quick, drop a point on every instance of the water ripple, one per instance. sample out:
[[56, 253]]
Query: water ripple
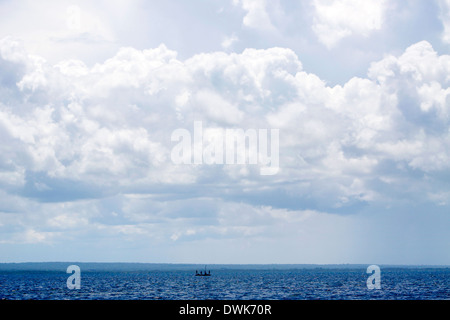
[[341, 284]]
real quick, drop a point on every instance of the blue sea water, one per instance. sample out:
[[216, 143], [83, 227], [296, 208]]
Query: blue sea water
[[230, 284]]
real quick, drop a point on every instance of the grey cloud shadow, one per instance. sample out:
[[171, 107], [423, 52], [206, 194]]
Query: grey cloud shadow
[[43, 188]]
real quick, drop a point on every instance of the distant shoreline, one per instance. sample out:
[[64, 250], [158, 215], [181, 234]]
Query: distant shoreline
[[138, 266]]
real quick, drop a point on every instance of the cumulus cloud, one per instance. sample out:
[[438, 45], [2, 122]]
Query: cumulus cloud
[[104, 121], [86, 149], [257, 15], [229, 41], [445, 18], [335, 20], [84, 26]]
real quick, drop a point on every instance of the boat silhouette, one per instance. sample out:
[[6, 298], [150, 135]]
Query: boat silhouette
[[203, 274]]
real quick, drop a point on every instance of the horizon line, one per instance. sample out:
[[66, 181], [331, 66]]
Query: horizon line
[[231, 264]]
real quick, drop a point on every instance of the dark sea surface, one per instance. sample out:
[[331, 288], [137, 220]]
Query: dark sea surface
[[262, 283]]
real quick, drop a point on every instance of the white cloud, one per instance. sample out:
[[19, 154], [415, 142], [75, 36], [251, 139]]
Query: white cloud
[[105, 121], [72, 131], [229, 41], [257, 16], [335, 20], [216, 108], [91, 92], [445, 18], [33, 236], [83, 26]]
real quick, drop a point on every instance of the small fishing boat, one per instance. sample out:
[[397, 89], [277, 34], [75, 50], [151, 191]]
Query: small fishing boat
[[202, 274]]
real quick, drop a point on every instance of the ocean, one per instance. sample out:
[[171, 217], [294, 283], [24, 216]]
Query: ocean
[[178, 282]]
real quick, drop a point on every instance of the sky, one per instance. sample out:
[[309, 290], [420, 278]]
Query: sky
[[91, 94]]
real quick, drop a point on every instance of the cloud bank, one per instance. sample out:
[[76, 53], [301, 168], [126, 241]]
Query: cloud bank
[[86, 170], [336, 20]]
